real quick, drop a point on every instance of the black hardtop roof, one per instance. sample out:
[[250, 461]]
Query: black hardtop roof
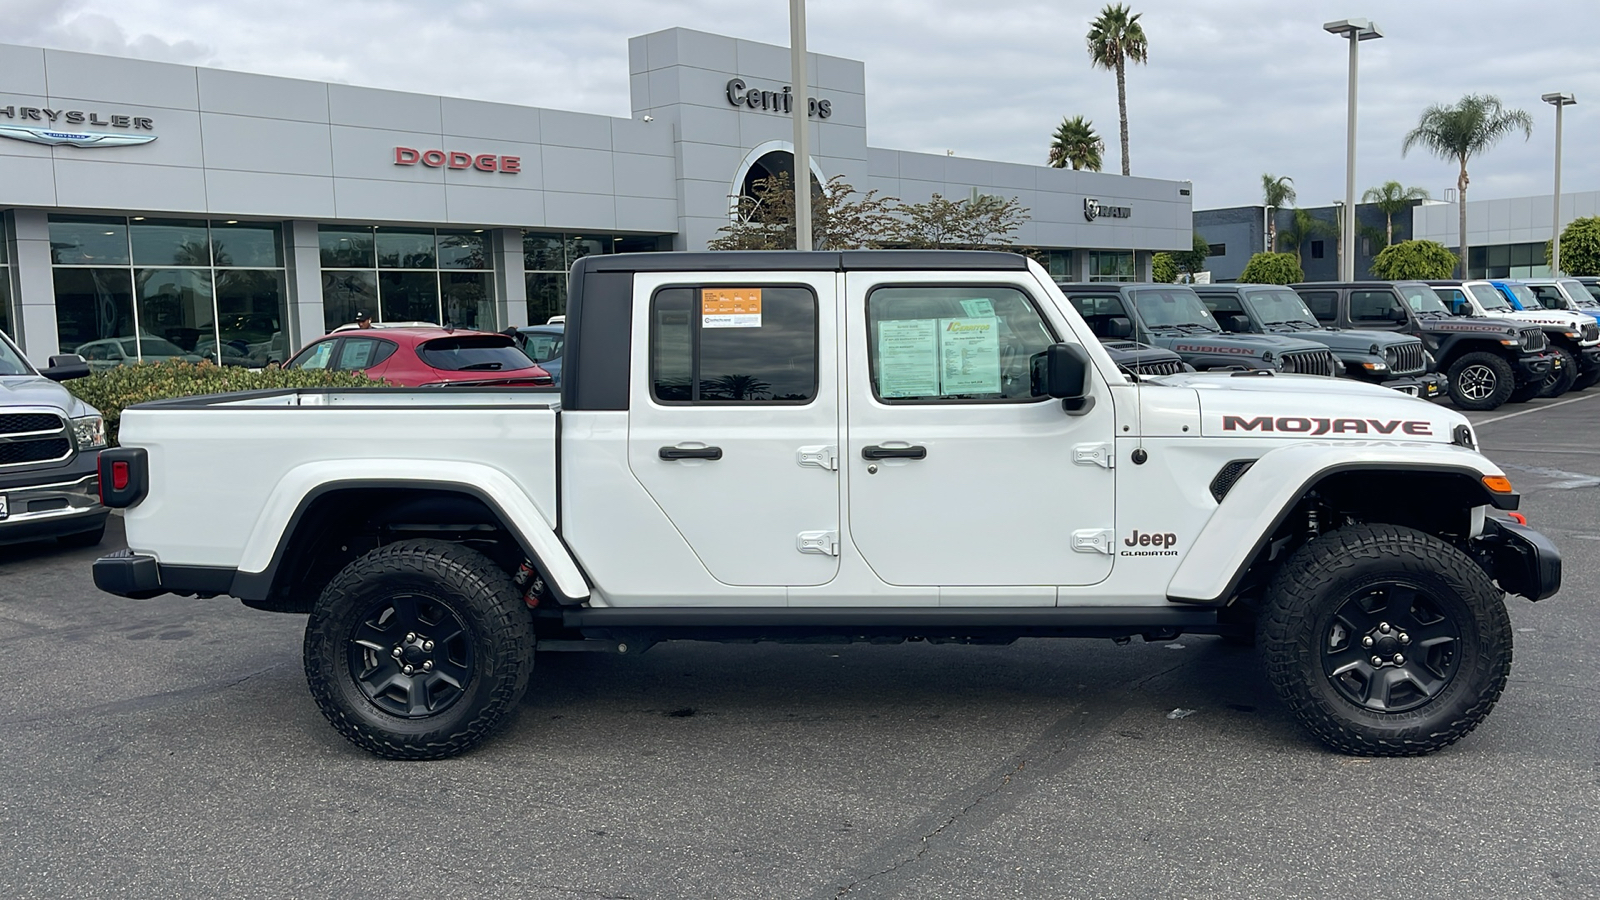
[[1233, 286], [1354, 284], [803, 261], [1114, 285]]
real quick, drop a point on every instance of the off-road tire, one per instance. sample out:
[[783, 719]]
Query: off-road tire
[[1487, 376], [1525, 392], [1297, 627], [1586, 380], [1555, 385], [469, 597]]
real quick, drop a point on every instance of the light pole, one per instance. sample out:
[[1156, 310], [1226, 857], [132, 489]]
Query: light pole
[[1356, 30], [1557, 100], [802, 125], [1339, 216]]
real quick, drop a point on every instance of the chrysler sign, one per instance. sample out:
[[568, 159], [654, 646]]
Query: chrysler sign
[[49, 133]]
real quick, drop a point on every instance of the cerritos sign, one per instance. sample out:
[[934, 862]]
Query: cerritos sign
[[49, 133], [454, 159], [1094, 209], [741, 94]]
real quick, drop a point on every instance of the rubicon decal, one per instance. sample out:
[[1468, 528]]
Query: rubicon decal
[[1214, 348], [1150, 544], [1315, 426]]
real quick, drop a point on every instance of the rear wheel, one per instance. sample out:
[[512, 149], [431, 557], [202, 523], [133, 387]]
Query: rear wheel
[[1481, 380], [1560, 381], [419, 650], [1385, 641]]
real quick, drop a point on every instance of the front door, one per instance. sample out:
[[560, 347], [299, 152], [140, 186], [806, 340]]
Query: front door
[[958, 475], [734, 431]]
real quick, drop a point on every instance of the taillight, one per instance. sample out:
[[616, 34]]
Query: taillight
[[119, 475], [124, 476]]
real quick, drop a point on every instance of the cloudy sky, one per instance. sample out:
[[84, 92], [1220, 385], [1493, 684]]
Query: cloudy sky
[[1233, 89]]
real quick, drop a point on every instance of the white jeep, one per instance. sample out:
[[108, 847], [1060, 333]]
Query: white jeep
[[871, 445]]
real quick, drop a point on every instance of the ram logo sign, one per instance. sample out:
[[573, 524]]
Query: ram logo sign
[[1305, 425]]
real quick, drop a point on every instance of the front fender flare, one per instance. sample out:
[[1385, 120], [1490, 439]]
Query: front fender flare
[[302, 484], [1263, 497]]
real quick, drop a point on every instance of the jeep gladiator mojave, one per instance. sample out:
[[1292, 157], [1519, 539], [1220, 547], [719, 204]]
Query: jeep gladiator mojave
[[1489, 362], [874, 445], [1395, 361]]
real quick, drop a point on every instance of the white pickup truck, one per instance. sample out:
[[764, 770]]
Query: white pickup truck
[[855, 446]]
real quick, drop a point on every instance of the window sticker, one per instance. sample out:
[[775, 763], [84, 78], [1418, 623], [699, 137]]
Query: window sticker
[[908, 358], [969, 356], [730, 308], [982, 306]]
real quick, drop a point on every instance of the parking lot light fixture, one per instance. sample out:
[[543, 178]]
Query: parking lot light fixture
[[1558, 100], [1356, 30]]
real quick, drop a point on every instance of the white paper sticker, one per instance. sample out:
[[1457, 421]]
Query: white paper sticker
[[969, 356], [982, 306], [908, 358]]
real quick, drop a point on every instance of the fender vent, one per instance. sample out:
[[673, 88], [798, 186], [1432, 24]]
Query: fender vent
[[1227, 475]]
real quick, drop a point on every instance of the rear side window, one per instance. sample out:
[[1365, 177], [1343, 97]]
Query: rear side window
[[362, 353], [474, 353], [1549, 297], [732, 344], [541, 346], [1375, 306], [943, 344], [1323, 304], [1222, 304]]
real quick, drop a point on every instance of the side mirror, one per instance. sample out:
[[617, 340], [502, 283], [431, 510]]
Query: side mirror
[[1119, 327], [65, 367], [1399, 314], [1237, 324], [1062, 371]]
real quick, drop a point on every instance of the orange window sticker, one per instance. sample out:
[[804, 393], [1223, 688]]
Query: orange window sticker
[[730, 308]]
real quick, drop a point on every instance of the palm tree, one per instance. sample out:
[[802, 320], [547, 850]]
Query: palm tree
[[1305, 227], [1115, 39], [1278, 192], [1391, 198], [1476, 123], [1075, 143]]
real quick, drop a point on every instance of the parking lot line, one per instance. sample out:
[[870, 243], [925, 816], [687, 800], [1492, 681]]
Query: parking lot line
[[1534, 410]]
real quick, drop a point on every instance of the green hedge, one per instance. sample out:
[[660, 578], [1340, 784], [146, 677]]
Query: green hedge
[[113, 390]]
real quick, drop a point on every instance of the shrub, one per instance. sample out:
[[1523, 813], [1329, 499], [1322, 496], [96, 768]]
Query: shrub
[[1163, 270], [1414, 259], [114, 390], [1272, 268], [1580, 247]]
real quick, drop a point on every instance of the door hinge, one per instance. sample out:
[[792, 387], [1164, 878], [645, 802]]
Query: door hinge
[[822, 543], [1094, 455], [820, 457], [1092, 540]]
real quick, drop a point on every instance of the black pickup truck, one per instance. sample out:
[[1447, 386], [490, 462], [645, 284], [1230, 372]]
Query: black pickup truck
[[1489, 362], [1396, 361]]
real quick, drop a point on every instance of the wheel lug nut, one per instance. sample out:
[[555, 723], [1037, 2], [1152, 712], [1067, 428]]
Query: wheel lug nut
[[1399, 659], [1376, 660], [1366, 641], [1405, 638], [408, 670], [397, 653], [412, 635], [1384, 627], [427, 645], [427, 666]]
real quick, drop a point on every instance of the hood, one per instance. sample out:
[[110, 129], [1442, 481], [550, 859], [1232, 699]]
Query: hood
[[1551, 319], [1496, 325], [1236, 344], [34, 390], [1356, 340], [1303, 406], [1126, 352]]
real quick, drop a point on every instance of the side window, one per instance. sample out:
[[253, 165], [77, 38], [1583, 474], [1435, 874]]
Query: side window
[[1222, 304], [1454, 298], [1375, 306], [729, 344], [1323, 304], [942, 344], [1098, 310], [362, 353], [1549, 297], [317, 356]]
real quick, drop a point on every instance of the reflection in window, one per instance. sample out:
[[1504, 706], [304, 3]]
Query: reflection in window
[[700, 356], [1111, 265], [407, 275], [547, 257], [953, 343]]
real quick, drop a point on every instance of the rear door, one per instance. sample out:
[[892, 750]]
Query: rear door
[[734, 431]]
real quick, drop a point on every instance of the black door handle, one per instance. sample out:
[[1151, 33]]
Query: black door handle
[[875, 452], [691, 452]]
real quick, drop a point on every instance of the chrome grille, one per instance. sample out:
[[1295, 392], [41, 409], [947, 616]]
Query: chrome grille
[[1308, 362], [1533, 340], [1405, 359], [28, 438], [1160, 367]]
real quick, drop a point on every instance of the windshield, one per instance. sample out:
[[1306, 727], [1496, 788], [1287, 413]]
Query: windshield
[[11, 362], [1530, 300], [1489, 298], [471, 353], [1280, 307], [1585, 295], [1422, 299], [1172, 308]]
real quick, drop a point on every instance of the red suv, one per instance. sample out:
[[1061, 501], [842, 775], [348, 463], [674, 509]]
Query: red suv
[[424, 356]]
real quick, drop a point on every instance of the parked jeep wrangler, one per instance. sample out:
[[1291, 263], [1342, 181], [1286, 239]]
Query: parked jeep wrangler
[[1142, 359], [850, 446], [1393, 360], [1172, 316], [1573, 336], [1489, 362]]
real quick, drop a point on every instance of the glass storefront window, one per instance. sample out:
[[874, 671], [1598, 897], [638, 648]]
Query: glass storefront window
[[1111, 265], [185, 289], [548, 256], [407, 275]]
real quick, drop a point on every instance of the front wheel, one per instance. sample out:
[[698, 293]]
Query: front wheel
[[1481, 380], [1560, 381], [419, 650], [1385, 641]]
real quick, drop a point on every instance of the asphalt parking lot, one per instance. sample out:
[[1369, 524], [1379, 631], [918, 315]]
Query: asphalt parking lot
[[170, 748]]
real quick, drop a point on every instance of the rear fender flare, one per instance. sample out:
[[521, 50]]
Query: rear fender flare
[[1264, 496], [293, 493]]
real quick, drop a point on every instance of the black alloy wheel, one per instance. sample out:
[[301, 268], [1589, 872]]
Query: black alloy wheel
[[1391, 647], [411, 655], [1480, 380]]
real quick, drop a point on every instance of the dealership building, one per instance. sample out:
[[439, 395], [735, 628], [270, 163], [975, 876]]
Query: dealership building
[[155, 211]]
